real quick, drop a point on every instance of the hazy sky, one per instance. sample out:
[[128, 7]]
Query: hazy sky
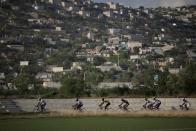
[[152, 3]]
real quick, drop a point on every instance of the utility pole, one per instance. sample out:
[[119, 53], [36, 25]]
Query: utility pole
[[118, 59], [84, 76]]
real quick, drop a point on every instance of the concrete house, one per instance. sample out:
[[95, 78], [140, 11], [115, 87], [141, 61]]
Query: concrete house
[[191, 55], [90, 35], [76, 66], [112, 5], [24, 63], [2, 75], [110, 85], [174, 70], [114, 40], [133, 44], [51, 84], [114, 31], [134, 57], [44, 76], [84, 13], [107, 66], [16, 47], [108, 13], [57, 69]]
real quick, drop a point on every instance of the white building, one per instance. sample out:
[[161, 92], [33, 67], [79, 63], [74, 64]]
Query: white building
[[157, 50], [90, 35], [107, 66], [170, 60], [84, 13], [114, 40], [90, 59], [16, 47], [134, 57], [70, 8], [128, 37], [24, 63], [108, 13], [110, 85], [2, 75], [167, 47], [106, 54], [50, 1], [63, 4], [191, 55], [76, 66], [58, 29], [133, 44], [113, 31], [143, 51], [112, 5], [57, 69], [51, 84], [44, 76], [174, 70]]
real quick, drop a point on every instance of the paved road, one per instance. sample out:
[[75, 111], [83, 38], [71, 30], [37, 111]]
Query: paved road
[[92, 104]]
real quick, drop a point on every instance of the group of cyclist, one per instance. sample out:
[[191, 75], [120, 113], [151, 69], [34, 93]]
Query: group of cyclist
[[104, 105], [150, 105]]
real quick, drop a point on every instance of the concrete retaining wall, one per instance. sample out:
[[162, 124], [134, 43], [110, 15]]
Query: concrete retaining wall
[[92, 104]]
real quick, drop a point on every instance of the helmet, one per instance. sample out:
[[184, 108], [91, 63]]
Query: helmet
[[184, 99]]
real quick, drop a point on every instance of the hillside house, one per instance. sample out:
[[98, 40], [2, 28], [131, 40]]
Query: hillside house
[[110, 85], [107, 66]]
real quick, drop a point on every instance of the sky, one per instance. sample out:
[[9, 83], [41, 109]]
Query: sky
[[152, 3]]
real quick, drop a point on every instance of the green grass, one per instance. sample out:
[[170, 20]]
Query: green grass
[[101, 123]]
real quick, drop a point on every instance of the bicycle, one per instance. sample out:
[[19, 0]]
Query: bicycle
[[105, 108], [39, 108], [124, 108], [185, 107], [152, 107], [78, 108]]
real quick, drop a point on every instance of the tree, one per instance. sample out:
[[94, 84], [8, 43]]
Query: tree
[[93, 76], [163, 79], [72, 87], [187, 79], [22, 82], [172, 86], [99, 61], [136, 50]]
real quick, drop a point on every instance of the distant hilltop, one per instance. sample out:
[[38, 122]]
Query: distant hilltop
[[151, 3]]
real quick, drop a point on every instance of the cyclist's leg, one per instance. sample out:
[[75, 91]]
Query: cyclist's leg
[[79, 107], [126, 106], [106, 106]]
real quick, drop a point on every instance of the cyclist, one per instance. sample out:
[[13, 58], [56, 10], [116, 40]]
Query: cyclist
[[106, 102], [185, 104], [43, 105], [156, 103], [124, 104], [148, 104], [78, 105]]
